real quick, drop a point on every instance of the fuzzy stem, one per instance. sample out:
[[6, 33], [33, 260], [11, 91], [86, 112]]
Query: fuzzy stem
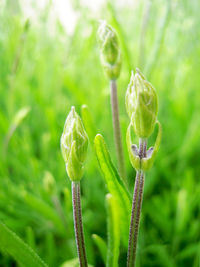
[[131, 242], [136, 208], [78, 226], [116, 127]]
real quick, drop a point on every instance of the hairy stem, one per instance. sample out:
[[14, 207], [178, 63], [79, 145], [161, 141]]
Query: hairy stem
[[116, 127], [78, 226], [136, 208], [131, 242]]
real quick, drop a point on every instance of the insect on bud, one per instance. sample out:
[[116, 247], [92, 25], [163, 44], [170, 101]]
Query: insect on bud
[[74, 144], [141, 105], [110, 52]]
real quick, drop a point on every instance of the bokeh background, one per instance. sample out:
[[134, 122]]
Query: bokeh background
[[49, 60]]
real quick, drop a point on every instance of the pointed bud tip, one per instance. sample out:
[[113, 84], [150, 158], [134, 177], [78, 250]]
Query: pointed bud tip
[[74, 143], [109, 49], [132, 74], [138, 70], [140, 73], [141, 104], [138, 82], [73, 112], [131, 83]]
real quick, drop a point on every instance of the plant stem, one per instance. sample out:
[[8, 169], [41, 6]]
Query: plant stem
[[78, 226], [136, 208], [116, 127], [131, 242]]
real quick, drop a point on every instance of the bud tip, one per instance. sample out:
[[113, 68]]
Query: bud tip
[[73, 110]]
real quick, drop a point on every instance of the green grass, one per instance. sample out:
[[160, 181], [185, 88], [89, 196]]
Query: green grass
[[50, 72]]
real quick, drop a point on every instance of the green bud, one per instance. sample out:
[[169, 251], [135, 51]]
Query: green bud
[[132, 150], [145, 163], [49, 183], [110, 53], [141, 105], [152, 152], [74, 144]]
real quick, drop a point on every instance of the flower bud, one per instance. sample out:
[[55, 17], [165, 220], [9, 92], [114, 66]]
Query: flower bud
[[110, 53], [49, 183], [141, 105], [74, 144]]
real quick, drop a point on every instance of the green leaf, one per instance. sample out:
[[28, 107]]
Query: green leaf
[[50, 249], [17, 120], [20, 116], [115, 185], [21, 252], [72, 263], [100, 243], [44, 209], [88, 122], [162, 255], [188, 252], [30, 237], [113, 231]]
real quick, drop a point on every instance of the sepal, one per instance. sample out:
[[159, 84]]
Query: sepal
[[132, 150], [147, 162]]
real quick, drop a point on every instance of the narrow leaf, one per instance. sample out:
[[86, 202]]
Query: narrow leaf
[[72, 263], [162, 255], [188, 252], [100, 243], [114, 184], [88, 122], [44, 209], [21, 252], [18, 118], [30, 237], [113, 232]]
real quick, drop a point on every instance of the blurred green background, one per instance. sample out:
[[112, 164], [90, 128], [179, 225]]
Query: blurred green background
[[49, 61]]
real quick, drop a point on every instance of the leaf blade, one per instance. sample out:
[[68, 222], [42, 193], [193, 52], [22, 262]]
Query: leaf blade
[[113, 232], [115, 185], [19, 250], [100, 243]]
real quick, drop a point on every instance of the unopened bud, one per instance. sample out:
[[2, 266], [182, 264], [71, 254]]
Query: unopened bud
[[110, 52], [141, 105], [74, 144], [49, 183]]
